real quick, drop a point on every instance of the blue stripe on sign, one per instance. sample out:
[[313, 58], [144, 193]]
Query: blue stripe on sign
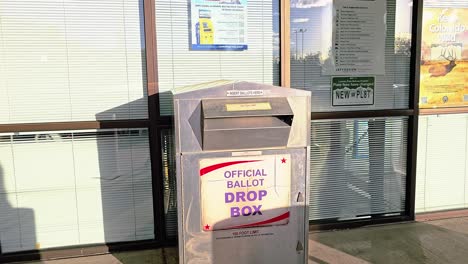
[[219, 47]]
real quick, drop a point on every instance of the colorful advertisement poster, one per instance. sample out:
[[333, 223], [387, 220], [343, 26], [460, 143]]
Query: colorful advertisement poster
[[218, 25], [245, 192], [444, 58], [347, 91]]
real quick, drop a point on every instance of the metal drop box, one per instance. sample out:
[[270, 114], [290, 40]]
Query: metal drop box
[[242, 172]]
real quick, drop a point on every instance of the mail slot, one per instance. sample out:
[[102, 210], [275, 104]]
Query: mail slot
[[248, 123], [242, 154]]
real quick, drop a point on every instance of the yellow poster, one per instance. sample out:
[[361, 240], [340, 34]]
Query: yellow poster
[[444, 58]]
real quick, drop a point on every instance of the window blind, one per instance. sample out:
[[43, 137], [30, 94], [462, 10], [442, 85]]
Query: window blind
[[441, 179], [311, 26], [170, 187], [180, 66], [74, 187], [71, 60], [441, 176], [358, 168]]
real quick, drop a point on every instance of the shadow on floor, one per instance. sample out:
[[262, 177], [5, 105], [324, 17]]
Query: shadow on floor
[[151, 256], [160, 256]]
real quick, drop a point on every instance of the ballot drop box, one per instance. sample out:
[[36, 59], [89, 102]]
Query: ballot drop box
[[242, 172]]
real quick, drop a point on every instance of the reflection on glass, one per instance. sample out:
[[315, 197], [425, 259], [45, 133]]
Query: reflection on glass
[[358, 168], [311, 39]]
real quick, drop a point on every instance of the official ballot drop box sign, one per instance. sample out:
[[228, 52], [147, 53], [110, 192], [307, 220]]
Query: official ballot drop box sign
[[242, 172]]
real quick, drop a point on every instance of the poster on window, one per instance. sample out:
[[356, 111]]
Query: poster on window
[[348, 91], [358, 39], [444, 58], [218, 25]]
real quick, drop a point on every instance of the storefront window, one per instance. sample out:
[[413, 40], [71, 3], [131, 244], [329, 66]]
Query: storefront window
[[442, 136], [444, 54], [242, 44], [64, 62], [357, 168], [352, 43], [72, 61], [354, 56], [66, 188]]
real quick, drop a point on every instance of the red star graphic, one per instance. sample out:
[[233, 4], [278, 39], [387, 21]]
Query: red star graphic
[[207, 227], [283, 160]]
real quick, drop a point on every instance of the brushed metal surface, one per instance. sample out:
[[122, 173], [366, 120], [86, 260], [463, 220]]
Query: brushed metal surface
[[245, 133], [200, 111], [246, 138], [276, 244], [244, 123], [216, 108]]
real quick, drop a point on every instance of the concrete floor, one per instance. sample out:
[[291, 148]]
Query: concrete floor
[[152, 256], [438, 241]]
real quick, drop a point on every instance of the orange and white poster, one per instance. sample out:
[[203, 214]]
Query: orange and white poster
[[444, 58], [245, 192]]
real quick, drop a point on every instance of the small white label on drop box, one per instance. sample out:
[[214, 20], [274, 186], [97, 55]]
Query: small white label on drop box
[[245, 93]]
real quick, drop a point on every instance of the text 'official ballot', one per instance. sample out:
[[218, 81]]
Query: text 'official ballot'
[[245, 192]]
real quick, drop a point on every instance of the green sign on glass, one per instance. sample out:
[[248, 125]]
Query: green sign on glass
[[348, 91]]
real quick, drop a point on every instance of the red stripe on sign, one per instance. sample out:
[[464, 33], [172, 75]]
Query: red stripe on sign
[[269, 221], [222, 165]]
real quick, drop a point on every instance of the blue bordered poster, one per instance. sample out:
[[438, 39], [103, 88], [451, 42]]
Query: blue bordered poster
[[218, 25]]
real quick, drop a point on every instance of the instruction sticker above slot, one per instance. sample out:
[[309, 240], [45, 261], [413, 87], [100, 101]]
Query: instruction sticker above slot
[[248, 107], [245, 93]]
